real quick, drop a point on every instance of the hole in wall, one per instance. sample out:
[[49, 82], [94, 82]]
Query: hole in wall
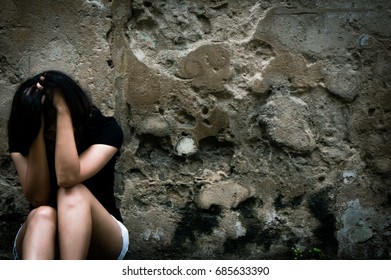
[[371, 112]]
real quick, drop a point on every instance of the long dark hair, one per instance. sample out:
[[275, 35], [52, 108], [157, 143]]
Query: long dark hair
[[27, 108]]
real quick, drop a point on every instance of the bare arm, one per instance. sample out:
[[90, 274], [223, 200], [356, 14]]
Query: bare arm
[[67, 164], [71, 168], [33, 172]]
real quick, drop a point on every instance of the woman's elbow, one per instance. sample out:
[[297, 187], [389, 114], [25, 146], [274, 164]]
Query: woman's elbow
[[67, 181], [68, 177], [38, 203], [36, 200]]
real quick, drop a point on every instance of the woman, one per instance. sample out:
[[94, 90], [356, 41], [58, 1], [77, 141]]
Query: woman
[[64, 151]]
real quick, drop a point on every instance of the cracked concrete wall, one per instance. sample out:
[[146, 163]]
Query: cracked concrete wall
[[253, 129]]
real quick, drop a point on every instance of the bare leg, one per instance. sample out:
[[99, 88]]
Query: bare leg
[[37, 238], [85, 228]]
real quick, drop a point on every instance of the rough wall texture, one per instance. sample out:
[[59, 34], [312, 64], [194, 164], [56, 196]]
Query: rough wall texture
[[253, 129]]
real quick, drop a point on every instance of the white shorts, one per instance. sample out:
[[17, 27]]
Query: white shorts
[[16, 257], [125, 240], [124, 235]]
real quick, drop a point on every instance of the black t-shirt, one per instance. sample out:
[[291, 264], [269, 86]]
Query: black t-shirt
[[100, 129]]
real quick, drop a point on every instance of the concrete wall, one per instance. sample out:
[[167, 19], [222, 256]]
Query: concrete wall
[[253, 129]]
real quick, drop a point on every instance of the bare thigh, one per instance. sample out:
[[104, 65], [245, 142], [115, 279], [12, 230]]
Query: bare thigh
[[106, 238], [45, 212]]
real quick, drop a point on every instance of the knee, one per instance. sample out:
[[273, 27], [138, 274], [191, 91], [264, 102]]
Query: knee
[[72, 196], [44, 215]]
